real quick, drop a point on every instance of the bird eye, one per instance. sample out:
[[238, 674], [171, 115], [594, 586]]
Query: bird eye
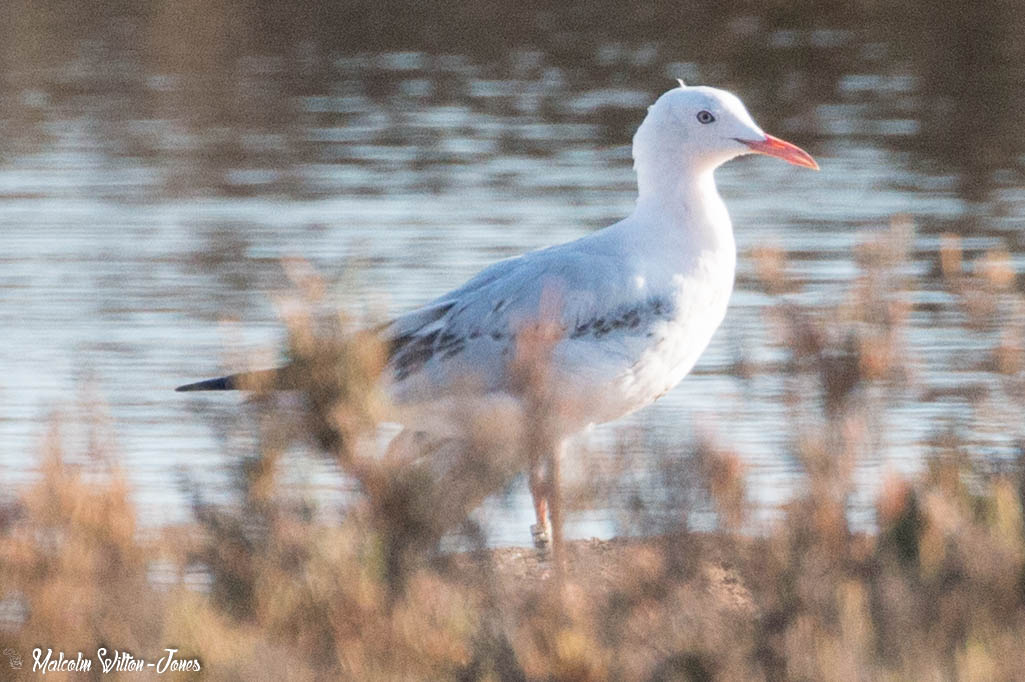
[[705, 116]]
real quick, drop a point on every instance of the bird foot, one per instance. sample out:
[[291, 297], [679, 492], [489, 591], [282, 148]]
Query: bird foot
[[542, 536]]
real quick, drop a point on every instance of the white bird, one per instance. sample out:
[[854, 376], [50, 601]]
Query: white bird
[[627, 310]]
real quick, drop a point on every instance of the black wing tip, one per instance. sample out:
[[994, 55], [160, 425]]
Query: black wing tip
[[218, 384]]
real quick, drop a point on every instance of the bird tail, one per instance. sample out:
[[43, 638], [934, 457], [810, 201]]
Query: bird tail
[[243, 381]]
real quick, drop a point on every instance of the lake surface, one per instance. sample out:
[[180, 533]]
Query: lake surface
[[156, 165]]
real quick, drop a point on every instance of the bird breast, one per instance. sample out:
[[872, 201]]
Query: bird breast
[[692, 305]]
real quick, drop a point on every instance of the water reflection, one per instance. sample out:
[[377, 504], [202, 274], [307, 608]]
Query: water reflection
[[156, 162], [208, 91]]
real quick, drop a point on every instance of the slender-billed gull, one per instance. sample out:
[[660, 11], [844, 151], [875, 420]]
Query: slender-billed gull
[[626, 310]]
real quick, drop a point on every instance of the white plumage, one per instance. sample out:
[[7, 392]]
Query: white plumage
[[633, 305], [627, 310]]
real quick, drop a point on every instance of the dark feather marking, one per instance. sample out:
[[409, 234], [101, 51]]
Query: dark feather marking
[[277, 378], [414, 354], [450, 345], [397, 344], [627, 317], [453, 350], [580, 330], [410, 352]]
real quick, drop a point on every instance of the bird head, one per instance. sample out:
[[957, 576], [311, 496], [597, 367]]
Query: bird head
[[702, 128]]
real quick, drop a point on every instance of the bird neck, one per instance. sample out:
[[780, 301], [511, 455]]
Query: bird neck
[[685, 205]]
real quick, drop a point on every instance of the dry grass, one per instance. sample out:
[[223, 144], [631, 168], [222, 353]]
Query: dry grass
[[937, 592]]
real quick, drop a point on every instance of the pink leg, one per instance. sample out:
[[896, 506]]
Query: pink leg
[[540, 490]]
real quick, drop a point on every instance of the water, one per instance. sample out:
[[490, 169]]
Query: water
[[156, 164]]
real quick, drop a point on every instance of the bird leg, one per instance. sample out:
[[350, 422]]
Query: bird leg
[[544, 480], [540, 489]]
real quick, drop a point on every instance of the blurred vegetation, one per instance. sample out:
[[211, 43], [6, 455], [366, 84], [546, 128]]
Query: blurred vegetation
[[405, 586]]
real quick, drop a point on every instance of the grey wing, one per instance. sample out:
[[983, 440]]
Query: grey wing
[[469, 336]]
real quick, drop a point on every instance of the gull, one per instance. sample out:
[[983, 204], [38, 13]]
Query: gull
[[625, 311]]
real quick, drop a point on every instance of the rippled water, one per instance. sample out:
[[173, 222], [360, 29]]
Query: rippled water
[[156, 165]]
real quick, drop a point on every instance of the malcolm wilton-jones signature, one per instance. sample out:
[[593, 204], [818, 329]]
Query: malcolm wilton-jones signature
[[109, 662]]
